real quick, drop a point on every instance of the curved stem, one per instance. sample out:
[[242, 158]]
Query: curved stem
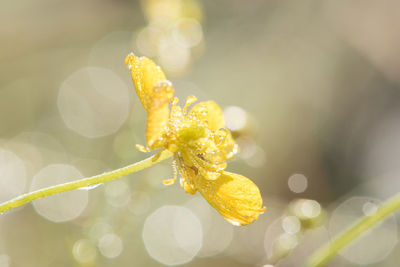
[[328, 251], [97, 179]]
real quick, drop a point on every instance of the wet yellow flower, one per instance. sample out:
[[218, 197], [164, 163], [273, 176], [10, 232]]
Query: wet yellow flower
[[199, 141]]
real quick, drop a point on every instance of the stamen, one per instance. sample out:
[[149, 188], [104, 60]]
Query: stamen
[[175, 101], [190, 100], [172, 181]]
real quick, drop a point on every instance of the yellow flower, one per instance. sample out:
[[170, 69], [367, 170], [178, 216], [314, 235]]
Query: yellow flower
[[200, 142]]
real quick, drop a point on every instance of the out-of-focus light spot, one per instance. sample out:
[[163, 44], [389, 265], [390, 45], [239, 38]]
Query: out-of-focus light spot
[[99, 229], [271, 236], [374, 245], [117, 193], [28, 153], [174, 58], [12, 175], [140, 203], [281, 237], [84, 251], [288, 241], [268, 265], [163, 11], [172, 235], [369, 208], [247, 147], [309, 212], [310, 208], [5, 260], [297, 183], [110, 246], [37, 150], [383, 153], [187, 32], [61, 207], [124, 144], [246, 246], [291, 224], [235, 118], [93, 102], [110, 51], [309, 242], [217, 234], [258, 159], [148, 40], [185, 88]]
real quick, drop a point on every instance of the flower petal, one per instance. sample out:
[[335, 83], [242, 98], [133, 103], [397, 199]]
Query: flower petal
[[208, 111], [145, 74], [158, 114], [234, 196], [155, 93]]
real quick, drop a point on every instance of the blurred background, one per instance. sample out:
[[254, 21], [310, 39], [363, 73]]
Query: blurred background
[[310, 89]]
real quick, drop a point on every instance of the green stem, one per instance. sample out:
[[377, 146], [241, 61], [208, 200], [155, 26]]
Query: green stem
[[97, 179], [328, 251]]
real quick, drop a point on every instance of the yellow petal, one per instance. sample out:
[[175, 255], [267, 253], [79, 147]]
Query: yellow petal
[[209, 111], [145, 75], [158, 114], [155, 93], [234, 196]]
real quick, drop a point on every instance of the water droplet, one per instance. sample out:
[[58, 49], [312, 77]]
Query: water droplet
[[90, 187], [235, 223]]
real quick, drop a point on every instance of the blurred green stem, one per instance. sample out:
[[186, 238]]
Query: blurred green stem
[[85, 182], [328, 251]]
